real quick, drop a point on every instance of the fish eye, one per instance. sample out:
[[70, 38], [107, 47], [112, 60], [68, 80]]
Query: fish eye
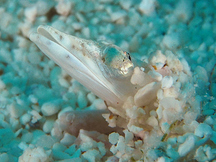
[[116, 62], [128, 55]]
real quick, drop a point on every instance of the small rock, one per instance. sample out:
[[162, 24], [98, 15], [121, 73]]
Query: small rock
[[146, 94], [117, 15], [59, 155], [25, 118], [49, 108], [203, 130], [166, 82], [48, 125], [126, 4], [91, 155], [2, 85], [64, 7], [31, 13], [36, 154], [155, 75], [147, 7], [184, 10], [152, 121], [59, 146], [113, 138], [4, 157], [186, 147], [171, 41], [68, 139]]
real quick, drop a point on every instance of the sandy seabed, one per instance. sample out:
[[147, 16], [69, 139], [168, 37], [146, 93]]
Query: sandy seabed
[[34, 91]]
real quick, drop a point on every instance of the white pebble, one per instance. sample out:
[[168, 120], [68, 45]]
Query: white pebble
[[91, 97], [68, 139], [48, 125], [82, 99], [22, 145], [209, 120], [155, 75], [49, 108], [134, 129], [63, 82], [172, 109], [43, 7], [171, 41], [203, 130], [165, 127], [64, 7], [134, 44], [33, 99], [91, 155], [27, 137], [77, 25], [60, 155], [138, 76], [56, 132], [121, 144], [184, 10], [126, 4], [86, 32], [145, 95], [2, 85], [35, 116], [15, 110], [102, 148], [71, 150], [4, 157], [166, 82], [34, 58], [117, 15], [99, 104], [147, 7], [30, 13], [157, 58], [171, 92], [152, 121], [173, 62], [25, 118], [59, 146], [201, 73], [36, 154], [163, 159], [113, 138], [186, 147], [113, 149], [128, 136], [45, 141]]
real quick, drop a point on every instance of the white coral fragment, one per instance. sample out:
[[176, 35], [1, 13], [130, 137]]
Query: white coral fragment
[[186, 147], [145, 95], [64, 7], [170, 110], [138, 76], [34, 155], [166, 82], [147, 6]]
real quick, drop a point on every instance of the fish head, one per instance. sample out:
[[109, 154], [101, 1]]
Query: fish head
[[103, 68]]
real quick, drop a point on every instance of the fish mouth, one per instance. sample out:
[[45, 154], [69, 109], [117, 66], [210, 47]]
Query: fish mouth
[[70, 53]]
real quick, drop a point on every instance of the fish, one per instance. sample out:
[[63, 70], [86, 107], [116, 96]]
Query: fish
[[129, 91], [102, 67]]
